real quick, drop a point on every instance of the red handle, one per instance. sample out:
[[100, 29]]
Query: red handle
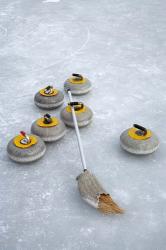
[[23, 133]]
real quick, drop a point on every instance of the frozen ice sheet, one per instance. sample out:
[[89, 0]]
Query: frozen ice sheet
[[120, 46]]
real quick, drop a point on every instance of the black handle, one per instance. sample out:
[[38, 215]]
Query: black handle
[[80, 77], [47, 119], [49, 87], [77, 105], [141, 128]]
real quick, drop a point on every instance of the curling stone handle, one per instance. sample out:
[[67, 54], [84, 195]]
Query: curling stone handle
[[144, 130], [23, 133], [77, 105], [77, 132], [47, 119], [26, 137], [49, 87], [80, 77]]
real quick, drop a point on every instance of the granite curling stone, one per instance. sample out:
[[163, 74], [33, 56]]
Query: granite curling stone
[[84, 114], [78, 85], [139, 140], [49, 98], [26, 148], [48, 128], [93, 193]]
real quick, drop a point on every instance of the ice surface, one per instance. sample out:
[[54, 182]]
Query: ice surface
[[120, 46]]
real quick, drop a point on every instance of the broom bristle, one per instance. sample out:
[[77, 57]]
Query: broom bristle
[[106, 205]]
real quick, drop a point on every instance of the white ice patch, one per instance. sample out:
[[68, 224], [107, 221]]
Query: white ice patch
[[51, 1], [87, 231], [123, 196], [163, 195]]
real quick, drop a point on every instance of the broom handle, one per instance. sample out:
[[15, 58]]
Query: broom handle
[[77, 133]]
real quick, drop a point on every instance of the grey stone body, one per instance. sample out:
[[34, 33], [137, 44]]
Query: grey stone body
[[49, 134], [49, 102], [83, 118], [89, 188], [78, 89], [139, 147], [26, 155]]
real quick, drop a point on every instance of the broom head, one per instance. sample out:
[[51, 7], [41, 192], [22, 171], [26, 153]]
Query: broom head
[[94, 194]]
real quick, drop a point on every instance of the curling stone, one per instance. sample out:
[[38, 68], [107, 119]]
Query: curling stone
[[24, 148], [78, 85], [139, 140], [49, 98], [49, 128], [84, 114]]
